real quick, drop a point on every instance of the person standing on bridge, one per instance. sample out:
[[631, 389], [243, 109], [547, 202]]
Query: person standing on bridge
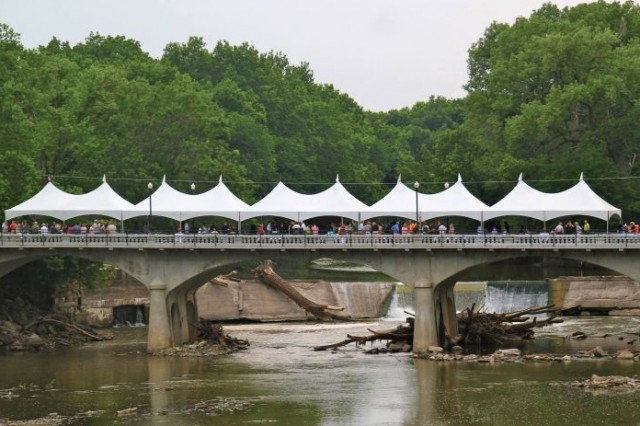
[[395, 228], [586, 227], [559, 229]]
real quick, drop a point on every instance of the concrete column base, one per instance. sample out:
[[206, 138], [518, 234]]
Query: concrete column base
[[425, 332], [159, 334]]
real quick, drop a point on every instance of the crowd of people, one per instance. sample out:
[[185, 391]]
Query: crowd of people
[[571, 228], [365, 227], [79, 228], [351, 228]]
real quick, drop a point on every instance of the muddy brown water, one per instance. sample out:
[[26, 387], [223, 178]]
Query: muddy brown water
[[281, 380]]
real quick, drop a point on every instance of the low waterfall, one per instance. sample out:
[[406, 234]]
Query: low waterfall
[[502, 296], [401, 301], [128, 316]]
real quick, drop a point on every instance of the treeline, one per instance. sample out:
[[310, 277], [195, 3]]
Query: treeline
[[551, 96]]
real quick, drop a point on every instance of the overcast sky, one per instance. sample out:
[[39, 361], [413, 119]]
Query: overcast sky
[[384, 54]]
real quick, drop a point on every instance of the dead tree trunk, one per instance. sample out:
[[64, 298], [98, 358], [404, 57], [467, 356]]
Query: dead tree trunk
[[267, 275]]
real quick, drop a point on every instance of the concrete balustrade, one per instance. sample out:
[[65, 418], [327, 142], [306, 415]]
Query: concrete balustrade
[[587, 241]]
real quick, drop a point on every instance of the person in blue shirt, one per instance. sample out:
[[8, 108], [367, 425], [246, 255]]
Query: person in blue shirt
[[395, 228]]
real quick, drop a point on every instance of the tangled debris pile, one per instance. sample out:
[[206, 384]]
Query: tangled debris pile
[[475, 327], [25, 327], [211, 341], [499, 330]]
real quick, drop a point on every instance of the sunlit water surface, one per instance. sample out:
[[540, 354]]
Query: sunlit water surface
[[284, 382]]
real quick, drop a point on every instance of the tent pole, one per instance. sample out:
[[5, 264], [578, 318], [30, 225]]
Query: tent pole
[[608, 217], [239, 225]]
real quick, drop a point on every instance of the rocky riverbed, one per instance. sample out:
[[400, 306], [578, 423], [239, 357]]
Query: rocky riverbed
[[436, 353]]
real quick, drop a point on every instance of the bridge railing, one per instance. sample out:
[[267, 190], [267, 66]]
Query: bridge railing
[[378, 241]]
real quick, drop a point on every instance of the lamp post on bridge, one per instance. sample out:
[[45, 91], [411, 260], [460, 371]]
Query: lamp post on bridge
[[446, 186], [416, 186], [149, 187], [193, 190]]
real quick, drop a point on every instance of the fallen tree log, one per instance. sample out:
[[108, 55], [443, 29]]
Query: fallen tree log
[[267, 275], [400, 333]]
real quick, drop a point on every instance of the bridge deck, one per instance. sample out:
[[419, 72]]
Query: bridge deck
[[320, 242]]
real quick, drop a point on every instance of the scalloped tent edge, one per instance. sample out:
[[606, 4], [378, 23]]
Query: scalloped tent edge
[[403, 201], [579, 200], [282, 201], [523, 200], [53, 202]]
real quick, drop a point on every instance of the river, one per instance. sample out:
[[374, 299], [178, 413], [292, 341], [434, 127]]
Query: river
[[281, 380]]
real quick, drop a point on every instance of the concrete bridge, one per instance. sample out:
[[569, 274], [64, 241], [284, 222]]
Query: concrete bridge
[[173, 267]]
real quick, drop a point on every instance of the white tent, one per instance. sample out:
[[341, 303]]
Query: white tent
[[579, 200], [102, 201], [165, 201], [53, 202], [168, 202], [400, 202], [218, 201], [454, 201], [282, 201]]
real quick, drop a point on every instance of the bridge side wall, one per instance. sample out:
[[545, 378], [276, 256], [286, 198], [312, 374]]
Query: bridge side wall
[[172, 275]]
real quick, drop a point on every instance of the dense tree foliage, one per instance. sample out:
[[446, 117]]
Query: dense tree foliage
[[552, 95]]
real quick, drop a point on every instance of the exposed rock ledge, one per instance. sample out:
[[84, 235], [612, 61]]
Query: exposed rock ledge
[[515, 355]]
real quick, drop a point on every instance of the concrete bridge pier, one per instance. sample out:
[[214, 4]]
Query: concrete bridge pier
[[425, 331], [159, 334], [446, 312], [177, 307], [192, 316], [184, 315]]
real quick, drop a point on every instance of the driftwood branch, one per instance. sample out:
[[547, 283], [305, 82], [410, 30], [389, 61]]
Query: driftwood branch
[[67, 325], [267, 275]]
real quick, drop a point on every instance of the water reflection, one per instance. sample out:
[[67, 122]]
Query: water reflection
[[285, 382], [159, 375], [436, 398]]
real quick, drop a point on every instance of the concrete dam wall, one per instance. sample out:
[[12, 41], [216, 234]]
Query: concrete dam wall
[[253, 300], [126, 301], [612, 295]]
